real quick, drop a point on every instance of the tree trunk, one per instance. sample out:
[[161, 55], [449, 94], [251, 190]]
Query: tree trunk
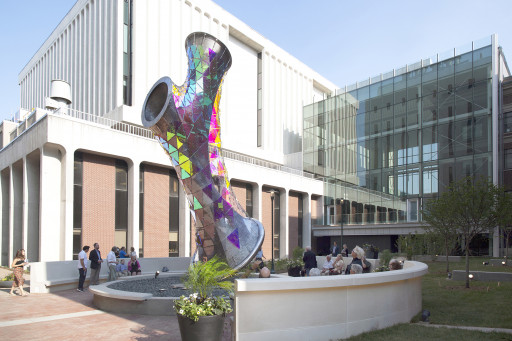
[[467, 265], [447, 262]]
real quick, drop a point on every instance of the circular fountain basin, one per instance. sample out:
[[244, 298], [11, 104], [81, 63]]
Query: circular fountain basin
[[146, 299]]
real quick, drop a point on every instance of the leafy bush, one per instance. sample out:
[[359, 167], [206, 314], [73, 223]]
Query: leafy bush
[[297, 253], [9, 277], [385, 257], [203, 279]]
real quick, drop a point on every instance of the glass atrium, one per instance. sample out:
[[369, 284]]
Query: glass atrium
[[385, 145]]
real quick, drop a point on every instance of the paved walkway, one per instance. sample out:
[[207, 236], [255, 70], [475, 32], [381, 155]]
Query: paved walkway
[[70, 315]]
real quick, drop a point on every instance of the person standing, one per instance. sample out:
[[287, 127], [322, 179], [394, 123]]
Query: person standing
[[344, 251], [335, 249], [309, 259], [82, 267], [132, 252], [95, 258], [112, 262], [17, 264]]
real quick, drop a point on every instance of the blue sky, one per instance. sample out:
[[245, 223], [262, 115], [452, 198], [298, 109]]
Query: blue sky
[[345, 41]]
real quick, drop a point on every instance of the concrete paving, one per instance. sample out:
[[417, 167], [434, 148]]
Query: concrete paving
[[71, 315]]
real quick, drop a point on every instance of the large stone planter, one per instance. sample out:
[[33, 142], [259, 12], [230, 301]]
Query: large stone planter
[[206, 328], [294, 271]]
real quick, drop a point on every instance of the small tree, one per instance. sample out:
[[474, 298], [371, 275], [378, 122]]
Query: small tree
[[504, 214], [473, 209], [440, 223]]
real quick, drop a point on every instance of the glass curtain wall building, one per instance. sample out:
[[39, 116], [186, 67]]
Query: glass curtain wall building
[[385, 145]]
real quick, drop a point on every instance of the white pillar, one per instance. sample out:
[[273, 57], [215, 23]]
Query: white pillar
[[50, 242], [306, 220], [133, 204], [68, 187], [11, 215], [257, 201], [496, 242], [24, 219]]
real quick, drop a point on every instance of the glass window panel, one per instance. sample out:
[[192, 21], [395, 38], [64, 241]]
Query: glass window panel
[[508, 159], [463, 167], [414, 84], [463, 143], [463, 69], [482, 135], [412, 112], [387, 119], [446, 102], [482, 63], [429, 108], [400, 116], [375, 96], [463, 100], [482, 97], [445, 73], [445, 138], [483, 165], [361, 126], [429, 143], [399, 148], [413, 149], [374, 154], [400, 83], [446, 174], [429, 79], [387, 93], [375, 122], [430, 179], [387, 151]]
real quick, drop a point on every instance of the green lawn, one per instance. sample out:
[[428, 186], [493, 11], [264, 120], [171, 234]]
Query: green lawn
[[407, 332], [484, 304]]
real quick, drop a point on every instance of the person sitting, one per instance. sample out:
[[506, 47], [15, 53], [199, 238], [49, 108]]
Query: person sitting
[[357, 258], [134, 266], [356, 269], [394, 264], [122, 253], [328, 265], [337, 266], [121, 269], [344, 251]]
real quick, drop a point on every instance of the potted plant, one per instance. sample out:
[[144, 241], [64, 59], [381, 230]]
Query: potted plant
[[201, 314], [295, 264]]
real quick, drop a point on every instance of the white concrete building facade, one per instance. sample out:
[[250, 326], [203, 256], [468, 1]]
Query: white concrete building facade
[[91, 173]]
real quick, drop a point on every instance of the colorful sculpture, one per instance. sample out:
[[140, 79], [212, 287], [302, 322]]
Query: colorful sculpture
[[186, 121]]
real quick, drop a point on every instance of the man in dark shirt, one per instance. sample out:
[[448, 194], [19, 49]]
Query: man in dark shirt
[[309, 260]]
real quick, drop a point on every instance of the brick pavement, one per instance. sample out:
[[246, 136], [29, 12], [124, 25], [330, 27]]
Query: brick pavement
[[70, 315]]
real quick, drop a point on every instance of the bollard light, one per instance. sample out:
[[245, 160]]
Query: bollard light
[[503, 263], [470, 276], [157, 273]]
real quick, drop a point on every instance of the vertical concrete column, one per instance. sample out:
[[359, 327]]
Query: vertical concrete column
[[17, 210], [306, 219], [256, 201], [50, 242], [133, 204], [284, 241], [11, 215], [24, 219], [5, 186], [67, 189], [32, 183], [185, 233], [3, 238]]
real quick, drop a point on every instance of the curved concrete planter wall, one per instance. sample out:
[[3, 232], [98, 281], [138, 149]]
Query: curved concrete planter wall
[[326, 308]]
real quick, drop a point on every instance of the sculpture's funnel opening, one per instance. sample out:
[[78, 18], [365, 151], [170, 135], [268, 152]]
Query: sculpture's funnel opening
[[155, 102]]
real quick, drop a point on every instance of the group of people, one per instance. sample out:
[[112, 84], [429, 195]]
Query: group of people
[[358, 265], [116, 267]]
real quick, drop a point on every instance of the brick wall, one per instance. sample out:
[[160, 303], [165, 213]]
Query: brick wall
[[266, 220], [240, 190], [293, 221], [156, 212], [98, 202]]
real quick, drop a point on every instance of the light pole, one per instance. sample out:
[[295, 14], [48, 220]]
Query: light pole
[[272, 197]]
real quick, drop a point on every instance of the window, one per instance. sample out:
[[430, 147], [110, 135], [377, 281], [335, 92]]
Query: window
[[121, 205], [508, 159], [77, 203], [127, 52], [141, 211], [248, 200], [174, 214]]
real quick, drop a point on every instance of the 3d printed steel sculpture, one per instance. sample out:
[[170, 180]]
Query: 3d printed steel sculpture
[[186, 121]]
